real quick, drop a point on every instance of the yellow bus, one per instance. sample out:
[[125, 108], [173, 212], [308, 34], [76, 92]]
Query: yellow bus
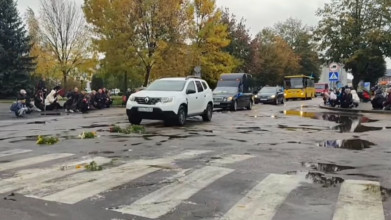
[[299, 87]]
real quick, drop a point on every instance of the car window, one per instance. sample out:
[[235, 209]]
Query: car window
[[205, 85], [191, 86], [166, 85], [199, 86]]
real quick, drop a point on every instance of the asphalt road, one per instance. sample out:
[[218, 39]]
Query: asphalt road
[[288, 162]]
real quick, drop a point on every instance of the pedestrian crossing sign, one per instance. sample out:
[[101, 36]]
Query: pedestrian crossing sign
[[333, 76]]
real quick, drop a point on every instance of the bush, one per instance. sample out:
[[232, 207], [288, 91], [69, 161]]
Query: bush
[[120, 94]]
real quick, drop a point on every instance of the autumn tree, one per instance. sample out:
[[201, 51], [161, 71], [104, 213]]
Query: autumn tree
[[46, 65], [240, 40], [64, 32], [16, 64], [299, 37], [148, 28], [356, 33], [277, 57], [210, 36]]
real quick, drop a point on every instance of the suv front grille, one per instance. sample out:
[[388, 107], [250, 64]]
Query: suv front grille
[[218, 99], [147, 100]]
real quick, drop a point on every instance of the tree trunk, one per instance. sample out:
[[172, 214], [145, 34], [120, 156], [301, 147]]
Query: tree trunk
[[64, 78], [147, 75], [126, 81], [355, 81]]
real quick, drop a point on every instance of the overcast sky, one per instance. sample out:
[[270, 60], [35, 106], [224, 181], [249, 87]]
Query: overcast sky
[[258, 13]]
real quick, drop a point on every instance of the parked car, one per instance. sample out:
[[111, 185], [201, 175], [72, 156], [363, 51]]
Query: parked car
[[271, 95], [171, 100]]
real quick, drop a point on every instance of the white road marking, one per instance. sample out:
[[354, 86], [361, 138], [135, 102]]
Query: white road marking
[[31, 161], [33, 180], [88, 184], [13, 152], [359, 200], [229, 159], [167, 198], [262, 202]]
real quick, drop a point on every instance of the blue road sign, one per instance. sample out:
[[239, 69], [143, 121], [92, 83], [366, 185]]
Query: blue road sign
[[333, 76]]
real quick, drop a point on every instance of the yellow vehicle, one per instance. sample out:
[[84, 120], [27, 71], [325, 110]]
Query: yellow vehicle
[[299, 87]]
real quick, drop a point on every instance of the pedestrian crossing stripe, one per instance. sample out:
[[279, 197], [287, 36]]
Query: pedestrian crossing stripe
[[333, 76], [357, 199]]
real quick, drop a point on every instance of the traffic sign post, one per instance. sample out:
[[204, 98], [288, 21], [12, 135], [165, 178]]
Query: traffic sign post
[[197, 71], [333, 76]]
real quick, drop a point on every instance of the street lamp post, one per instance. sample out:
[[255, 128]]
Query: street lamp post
[[83, 77]]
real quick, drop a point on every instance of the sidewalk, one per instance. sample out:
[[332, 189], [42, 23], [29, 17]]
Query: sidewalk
[[362, 108]]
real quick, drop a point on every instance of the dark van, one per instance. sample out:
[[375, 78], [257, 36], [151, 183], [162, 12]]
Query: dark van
[[233, 91]]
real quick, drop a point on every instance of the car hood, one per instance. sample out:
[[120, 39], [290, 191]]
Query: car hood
[[266, 94], [223, 94], [155, 94]]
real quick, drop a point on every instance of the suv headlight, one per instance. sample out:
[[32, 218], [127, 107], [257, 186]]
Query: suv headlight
[[273, 96], [132, 98], [167, 99], [229, 99]]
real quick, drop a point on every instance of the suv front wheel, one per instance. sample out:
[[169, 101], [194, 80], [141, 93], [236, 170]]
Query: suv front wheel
[[207, 116], [135, 120], [181, 116]]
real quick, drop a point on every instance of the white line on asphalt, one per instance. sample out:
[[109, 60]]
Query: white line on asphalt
[[167, 198], [31, 161], [13, 152], [229, 159], [359, 200], [85, 185], [32, 182], [262, 202]]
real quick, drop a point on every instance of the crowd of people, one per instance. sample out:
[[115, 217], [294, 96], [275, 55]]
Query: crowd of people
[[76, 101], [346, 97]]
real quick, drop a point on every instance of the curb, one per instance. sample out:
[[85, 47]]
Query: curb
[[355, 110]]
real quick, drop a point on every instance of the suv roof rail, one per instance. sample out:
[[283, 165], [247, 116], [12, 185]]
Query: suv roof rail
[[193, 77]]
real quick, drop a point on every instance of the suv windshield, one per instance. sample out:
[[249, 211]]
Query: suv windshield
[[166, 85], [220, 90], [268, 90]]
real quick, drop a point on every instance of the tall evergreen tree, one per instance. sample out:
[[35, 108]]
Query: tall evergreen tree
[[15, 60]]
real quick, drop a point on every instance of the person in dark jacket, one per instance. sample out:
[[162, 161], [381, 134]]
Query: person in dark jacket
[[42, 87], [378, 100], [39, 100], [347, 100], [100, 99], [107, 97], [72, 100]]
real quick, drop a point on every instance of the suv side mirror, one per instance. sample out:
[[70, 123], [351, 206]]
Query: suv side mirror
[[190, 91]]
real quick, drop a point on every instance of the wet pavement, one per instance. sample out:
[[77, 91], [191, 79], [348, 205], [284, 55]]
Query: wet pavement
[[296, 161]]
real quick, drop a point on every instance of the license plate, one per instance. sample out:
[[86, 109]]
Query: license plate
[[216, 103], [145, 109], [263, 99]]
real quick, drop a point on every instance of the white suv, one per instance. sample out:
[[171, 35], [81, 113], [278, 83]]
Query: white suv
[[171, 100]]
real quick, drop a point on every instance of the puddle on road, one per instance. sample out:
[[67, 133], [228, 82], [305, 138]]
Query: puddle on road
[[349, 144], [316, 178], [289, 128], [96, 126], [346, 122], [326, 167], [36, 122]]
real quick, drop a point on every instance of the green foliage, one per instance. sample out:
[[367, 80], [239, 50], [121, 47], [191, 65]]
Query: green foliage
[[15, 61], [93, 166], [96, 83], [357, 34], [240, 40], [128, 130], [47, 140]]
